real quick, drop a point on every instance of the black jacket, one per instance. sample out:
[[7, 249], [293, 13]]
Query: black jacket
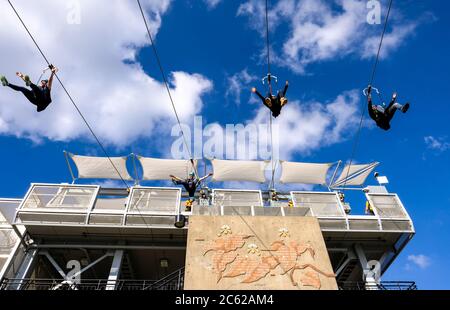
[[380, 118]]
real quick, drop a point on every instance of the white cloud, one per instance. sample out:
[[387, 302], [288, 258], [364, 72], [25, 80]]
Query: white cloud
[[420, 260], [97, 61], [237, 83], [322, 30], [211, 4], [391, 41], [308, 126], [437, 144], [302, 127]]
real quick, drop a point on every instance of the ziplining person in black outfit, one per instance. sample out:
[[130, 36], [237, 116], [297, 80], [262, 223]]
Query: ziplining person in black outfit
[[40, 96], [274, 103], [383, 115], [190, 184]]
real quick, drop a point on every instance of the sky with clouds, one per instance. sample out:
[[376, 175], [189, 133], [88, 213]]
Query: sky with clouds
[[213, 52]]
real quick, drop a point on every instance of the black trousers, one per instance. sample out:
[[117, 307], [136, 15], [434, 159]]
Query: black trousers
[[33, 95], [29, 94], [390, 110]]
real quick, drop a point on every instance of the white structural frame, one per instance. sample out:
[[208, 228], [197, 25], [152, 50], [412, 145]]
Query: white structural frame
[[90, 209], [18, 241], [214, 190], [87, 211], [340, 207], [407, 217], [258, 191], [9, 200], [122, 213], [135, 188]]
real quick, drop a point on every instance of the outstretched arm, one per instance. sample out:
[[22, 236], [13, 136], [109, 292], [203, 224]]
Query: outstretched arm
[[175, 179], [50, 80], [283, 94], [255, 91], [205, 177]]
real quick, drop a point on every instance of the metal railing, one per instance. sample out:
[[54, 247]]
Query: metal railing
[[383, 286], [56, 204], [174, 283]]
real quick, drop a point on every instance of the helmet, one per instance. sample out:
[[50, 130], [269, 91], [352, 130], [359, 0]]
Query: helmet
[[192, 174]]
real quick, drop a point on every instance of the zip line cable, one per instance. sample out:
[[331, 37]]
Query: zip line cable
[[267, 41], [358, 133], [167, 86], [272, 183], [69, 96], [269, 81], [381, 43]]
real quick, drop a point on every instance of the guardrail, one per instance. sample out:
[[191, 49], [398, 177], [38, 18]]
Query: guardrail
[[75, 205], [93, 284], [175, 281], [383, 286]]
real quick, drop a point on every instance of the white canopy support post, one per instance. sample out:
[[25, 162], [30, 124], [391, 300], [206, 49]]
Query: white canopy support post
[[334, 173], [239, 170], [161, 169], [66, 156], [90, 167], [354, 175], [304, 173], [205, 172], [136, 180]]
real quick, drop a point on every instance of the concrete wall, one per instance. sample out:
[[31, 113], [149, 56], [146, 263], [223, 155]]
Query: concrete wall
[[252, 253]]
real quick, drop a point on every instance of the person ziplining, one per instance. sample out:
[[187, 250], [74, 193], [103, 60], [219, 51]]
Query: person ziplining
[[381, 114], [40, 96], [274, 103], [190, 184]]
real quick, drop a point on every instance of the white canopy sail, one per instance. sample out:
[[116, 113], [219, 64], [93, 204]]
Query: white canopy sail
[[90, 167], [304, 173], [239, 170], [357, 175], [161, 169]]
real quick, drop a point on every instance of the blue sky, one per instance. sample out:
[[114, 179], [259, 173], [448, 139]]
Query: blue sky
[[209, 45]]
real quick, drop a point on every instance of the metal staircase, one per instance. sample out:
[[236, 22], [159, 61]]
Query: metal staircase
[[126, 270], [173, 281], [348, 270]]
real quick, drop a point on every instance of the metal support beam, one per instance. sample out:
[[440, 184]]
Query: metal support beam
[[54, 263], [108, 254], [369, 274], [350, 256], [115, 270], [71, 277], [107, 247], [25, 269], [19, 234]]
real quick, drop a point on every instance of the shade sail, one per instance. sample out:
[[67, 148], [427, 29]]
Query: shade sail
[[305, 173], [114, 168], [239, 170], [161, 169], [357, 174]]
